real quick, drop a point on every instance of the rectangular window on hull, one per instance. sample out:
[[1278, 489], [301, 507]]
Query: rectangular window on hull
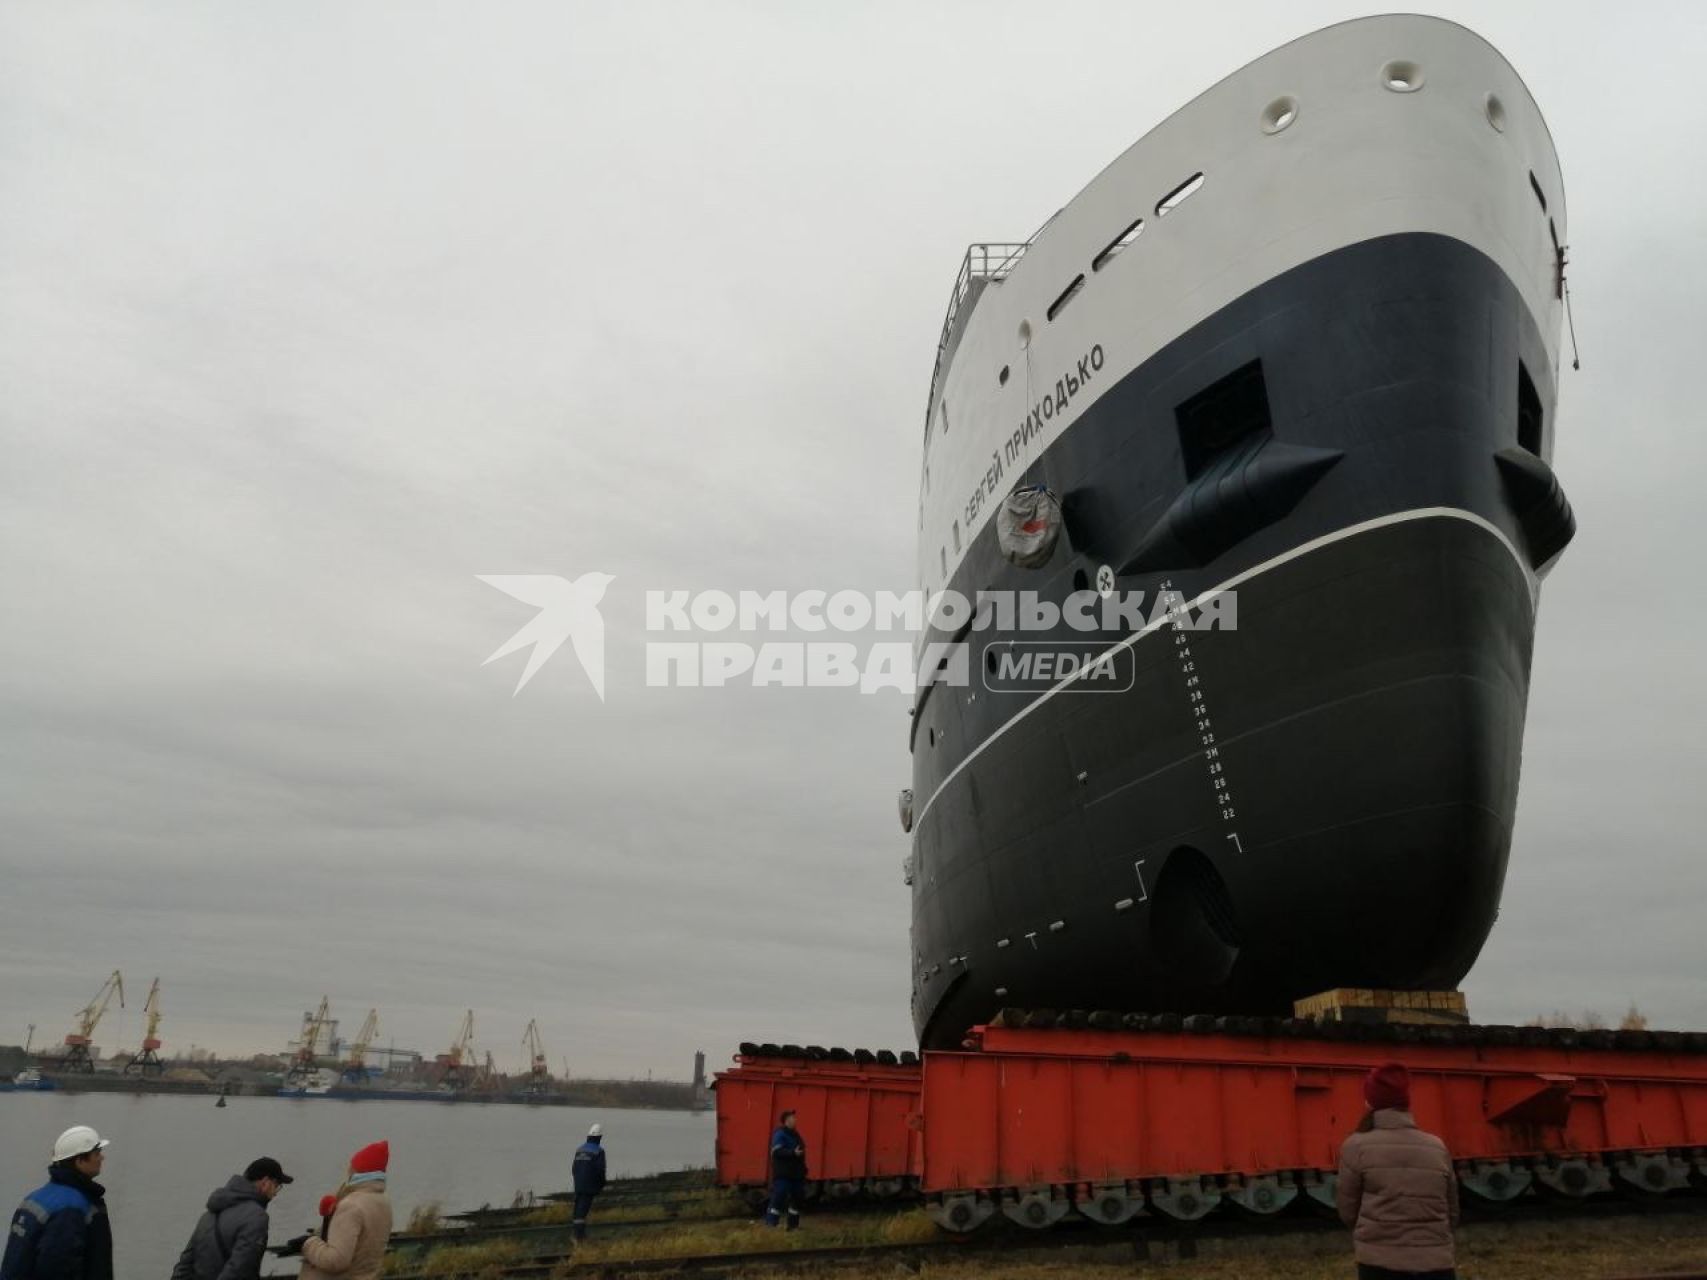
[[1528, 412], [1132, 231], [1179, 195], [1066, 296], [1225, 414]]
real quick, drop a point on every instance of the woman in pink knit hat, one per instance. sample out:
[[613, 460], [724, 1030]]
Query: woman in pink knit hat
[[1397, 1189]]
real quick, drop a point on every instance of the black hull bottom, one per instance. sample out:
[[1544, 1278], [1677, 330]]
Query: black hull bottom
[[1367, 719]]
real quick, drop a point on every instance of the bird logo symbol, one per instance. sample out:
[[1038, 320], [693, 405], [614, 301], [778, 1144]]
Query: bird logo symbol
[[567, 611]]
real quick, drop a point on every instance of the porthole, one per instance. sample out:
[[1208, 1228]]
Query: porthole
[[931, 733], [1002, 377], [1280, 113], [1402, 76], [1496, 112], [1024, 333]]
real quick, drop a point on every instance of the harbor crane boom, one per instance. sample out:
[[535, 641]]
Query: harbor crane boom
[[458, 1063], [539, 1074], [308, 1047], [355, 1068], [78, 1043], [147, 1062]]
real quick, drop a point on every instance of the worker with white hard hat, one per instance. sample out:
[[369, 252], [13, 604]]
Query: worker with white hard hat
[[589, 1175], [61, 1230]]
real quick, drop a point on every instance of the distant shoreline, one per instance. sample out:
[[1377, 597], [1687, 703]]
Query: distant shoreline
[[665, 1096]]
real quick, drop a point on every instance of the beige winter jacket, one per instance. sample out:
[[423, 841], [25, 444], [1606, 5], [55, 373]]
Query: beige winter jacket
[[1399, 1196], [354, 1247]]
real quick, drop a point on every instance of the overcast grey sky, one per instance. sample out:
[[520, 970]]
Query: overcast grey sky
[[311, 312]]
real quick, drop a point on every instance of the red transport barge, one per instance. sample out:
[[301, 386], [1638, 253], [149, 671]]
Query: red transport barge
[[1103, 1114]]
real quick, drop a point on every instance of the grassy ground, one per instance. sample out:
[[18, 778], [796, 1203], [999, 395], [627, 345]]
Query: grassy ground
[[1590, 1249], [459, 1260], [425, 1219], [746, 1235], [1585, 1248], [686, 1205]]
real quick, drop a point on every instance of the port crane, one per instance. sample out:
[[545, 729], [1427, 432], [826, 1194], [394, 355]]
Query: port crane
[[539, 1074], [458, 1071], [147, 1062], [77, 1044], [307, 1048], [355, 1066]]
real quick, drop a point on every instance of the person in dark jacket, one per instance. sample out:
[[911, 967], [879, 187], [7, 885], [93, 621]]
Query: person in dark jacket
[[788, 1173], [61, 1230], [589, 1171], [230, 1239]]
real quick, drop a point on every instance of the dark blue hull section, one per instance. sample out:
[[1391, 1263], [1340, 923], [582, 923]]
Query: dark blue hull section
[[1323, 796]]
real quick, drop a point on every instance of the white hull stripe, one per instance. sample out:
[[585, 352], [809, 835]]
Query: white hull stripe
[[1302, 549]]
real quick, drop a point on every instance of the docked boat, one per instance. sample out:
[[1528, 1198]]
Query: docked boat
[[29, 1080], [317, 1084]]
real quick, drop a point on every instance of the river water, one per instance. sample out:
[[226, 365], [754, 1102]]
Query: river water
[[168, 1153]]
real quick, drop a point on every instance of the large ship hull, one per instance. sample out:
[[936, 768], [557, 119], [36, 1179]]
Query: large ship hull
[[1322, 795]]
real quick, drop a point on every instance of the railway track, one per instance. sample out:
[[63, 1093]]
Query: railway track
[[674, 1192], [1141, 1240], [421, 1243]]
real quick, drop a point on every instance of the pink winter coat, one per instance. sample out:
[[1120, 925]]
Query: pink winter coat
[[1399, 1195], [354, 1247]]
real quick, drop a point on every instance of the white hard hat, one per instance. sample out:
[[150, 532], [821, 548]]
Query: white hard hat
[[78, 1140], [597, 1131]]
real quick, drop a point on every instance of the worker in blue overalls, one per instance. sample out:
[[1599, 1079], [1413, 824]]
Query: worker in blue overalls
[[589, 1171], [61, 1232], [788, 1173]]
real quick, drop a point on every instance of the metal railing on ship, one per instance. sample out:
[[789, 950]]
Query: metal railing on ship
[[986, 262]]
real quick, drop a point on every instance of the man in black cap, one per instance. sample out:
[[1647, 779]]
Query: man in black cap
[[231, 1236]]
